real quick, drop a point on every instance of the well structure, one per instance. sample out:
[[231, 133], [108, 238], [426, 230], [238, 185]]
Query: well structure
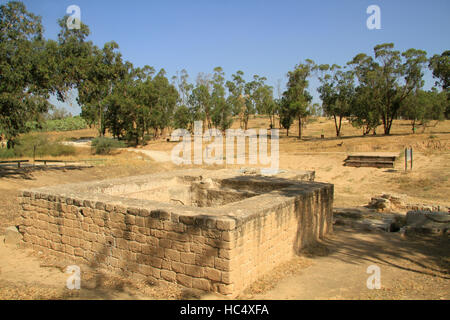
[[214, 230]]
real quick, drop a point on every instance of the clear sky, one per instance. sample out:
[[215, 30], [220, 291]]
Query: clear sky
[[267, 38]]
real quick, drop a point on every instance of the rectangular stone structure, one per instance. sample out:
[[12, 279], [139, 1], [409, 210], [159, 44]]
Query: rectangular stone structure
[[214, 230]]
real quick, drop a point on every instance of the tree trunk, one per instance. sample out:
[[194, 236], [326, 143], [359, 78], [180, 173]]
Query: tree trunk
[[100, 116], [10, 144], [340, 126], [385, 123], [299, 127], [366, 130], [336, 126], [387, 130]]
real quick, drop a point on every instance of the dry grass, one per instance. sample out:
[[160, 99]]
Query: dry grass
[[434, 139], [72, 135], [433, 186]]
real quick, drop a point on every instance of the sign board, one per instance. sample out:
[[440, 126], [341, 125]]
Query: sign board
[[408, 154], [408, 157]]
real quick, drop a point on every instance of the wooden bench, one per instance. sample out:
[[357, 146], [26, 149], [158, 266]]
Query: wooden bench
[[51, 161], [18, 162], [375, 161], [45, 161]]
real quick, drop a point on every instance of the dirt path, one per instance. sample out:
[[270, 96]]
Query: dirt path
[[410, 269], [158, 156]]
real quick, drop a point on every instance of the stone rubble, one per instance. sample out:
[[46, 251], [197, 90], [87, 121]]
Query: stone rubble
[[389, 202]]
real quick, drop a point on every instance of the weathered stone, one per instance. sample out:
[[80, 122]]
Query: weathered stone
[[12, 236], [209, 230], [380, 203], [425, 222]]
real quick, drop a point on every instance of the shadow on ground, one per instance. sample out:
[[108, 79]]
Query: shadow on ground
[[423, 255]]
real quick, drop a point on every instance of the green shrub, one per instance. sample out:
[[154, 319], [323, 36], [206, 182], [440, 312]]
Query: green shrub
[[7, 153], [36, 145], [102, 145], [66, 124]]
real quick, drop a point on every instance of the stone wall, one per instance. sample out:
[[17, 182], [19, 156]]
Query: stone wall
[[278, 233], [220, 249]]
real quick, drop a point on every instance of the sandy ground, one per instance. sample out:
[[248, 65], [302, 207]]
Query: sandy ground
[[410, 269]]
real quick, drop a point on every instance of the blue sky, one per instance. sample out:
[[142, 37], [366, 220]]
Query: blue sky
[[267, 38]]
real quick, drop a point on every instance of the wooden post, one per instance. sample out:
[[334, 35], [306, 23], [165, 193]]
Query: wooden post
[[406, 159], [408, 156]]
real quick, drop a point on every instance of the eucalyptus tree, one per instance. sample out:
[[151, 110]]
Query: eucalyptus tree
[[251, 94], [336, 91], [286, 116], [222, 117], [73, 55], [166, 97], [266, 104], [249, 98], [200, 100], [26, 70], [296, 98], [120, 113], [185, 113], [440, 66], [180, 80], [364, 113], [140, 102], [424, 106], [392, 76], [182, 118], [238, 98], [258, 96], [315, 109], [104, 69]]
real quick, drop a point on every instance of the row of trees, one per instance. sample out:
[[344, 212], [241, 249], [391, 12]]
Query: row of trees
[[216, 101], [132, 102], [371, 91]]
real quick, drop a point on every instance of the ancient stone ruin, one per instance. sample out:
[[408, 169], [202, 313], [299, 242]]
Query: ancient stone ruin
[[212, 230]]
